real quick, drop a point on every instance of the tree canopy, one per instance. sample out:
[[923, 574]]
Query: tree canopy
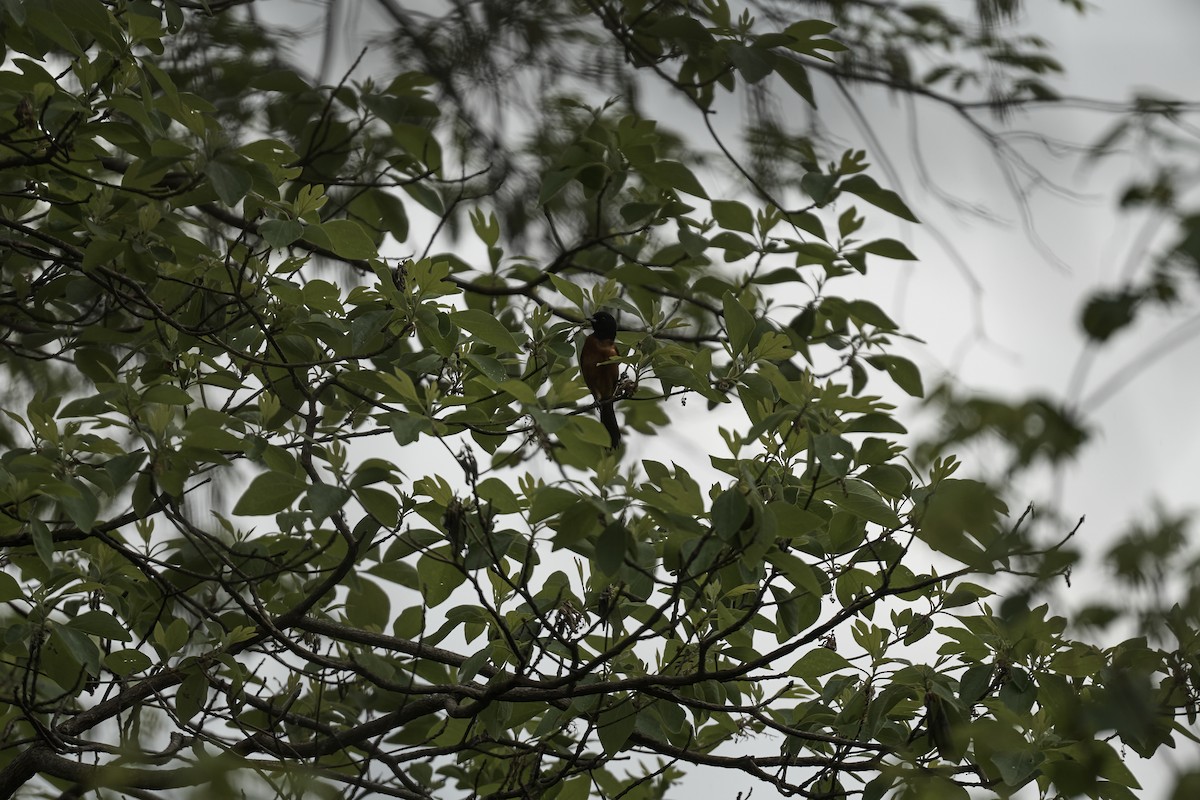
[[246, 310]]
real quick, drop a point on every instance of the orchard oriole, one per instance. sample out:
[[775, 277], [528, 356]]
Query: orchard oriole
[[599, 347]]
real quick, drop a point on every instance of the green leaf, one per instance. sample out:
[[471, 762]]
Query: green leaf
[[729, 512], [781, 275], [279, 233], [738, 322], [1017, 768], [172, 637], [427, 196], [773, 346], [127, 662], [975, 682], [48, 22], [681, 27], [86, 15], [100, 366], [9, 588], [285, 81], [381, 504], [486, 327], [806, 29], [326, 499], [82, 506], [345, 237], [392, 215], [867, 312], [102, 624], [865, 187], [122, 468], [888, 248], [835, 454], [674, 175], [875, 422], [943, 723], [368, 605], [191, 695], [902, 371], [817, 662], [611, 547], [890, 479], [230, 182], [500, 495], [577, 788], [802, 576], [733, 215], [487, 366], [549, 501], [424, 146], [807, 222], [818, 186], [167, 394], [862, 500], [519, 390], [269, 493], [81, 648], [568, 290], [439, 577], [753, 63], [92, 406], [102, 252], [555, 181], [791, 521], [796, 76], [615, 726]]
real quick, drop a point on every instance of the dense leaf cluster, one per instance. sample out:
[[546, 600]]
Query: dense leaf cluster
[[231, 348]]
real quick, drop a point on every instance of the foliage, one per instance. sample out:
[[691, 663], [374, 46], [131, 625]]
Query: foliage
[[231, 563], [1161, 128]]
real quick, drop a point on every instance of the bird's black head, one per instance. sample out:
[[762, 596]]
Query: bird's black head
[[603, 324]]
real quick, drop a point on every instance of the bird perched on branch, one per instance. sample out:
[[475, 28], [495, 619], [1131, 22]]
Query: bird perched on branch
[[602, 378]]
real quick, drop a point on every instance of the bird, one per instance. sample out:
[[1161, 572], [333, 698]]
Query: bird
[[602, 378]]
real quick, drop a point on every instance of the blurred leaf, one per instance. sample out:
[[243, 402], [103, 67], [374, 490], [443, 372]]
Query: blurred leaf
[[961, 518], [1107, 313]]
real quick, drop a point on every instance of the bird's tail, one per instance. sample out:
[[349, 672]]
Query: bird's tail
[[608, 416]]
